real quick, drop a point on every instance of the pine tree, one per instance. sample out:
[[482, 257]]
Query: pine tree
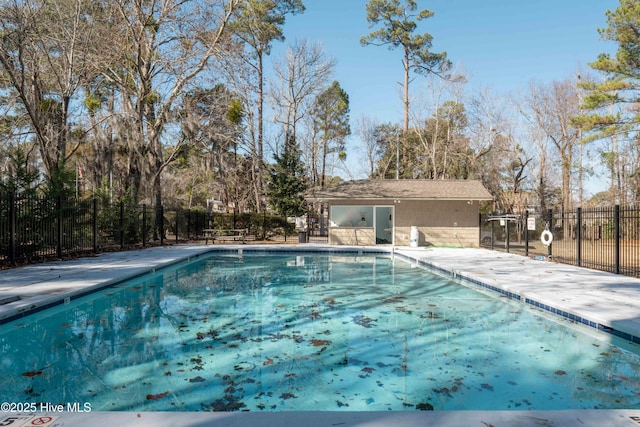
[[288, 182]]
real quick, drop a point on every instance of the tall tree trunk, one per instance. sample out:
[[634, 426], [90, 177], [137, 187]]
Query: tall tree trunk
[[260, 154]]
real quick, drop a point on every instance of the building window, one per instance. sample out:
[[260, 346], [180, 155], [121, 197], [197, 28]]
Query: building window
[[351, 216]]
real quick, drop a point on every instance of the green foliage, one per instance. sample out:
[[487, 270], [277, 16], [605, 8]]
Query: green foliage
[[259, 22], [256, 223], [622, 74], [235, 112], [331, 116], [93, 103], [399, 22], [22, 177], [61, 181], [331, 122], [122, 219], [288, 183]]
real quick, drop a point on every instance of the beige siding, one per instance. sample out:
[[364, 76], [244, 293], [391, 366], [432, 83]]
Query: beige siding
[[439, 236], [440, 223], [351, 236], [437, 213]]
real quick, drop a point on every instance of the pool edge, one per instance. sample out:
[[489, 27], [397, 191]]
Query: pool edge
[[25, 307], [523, 298]]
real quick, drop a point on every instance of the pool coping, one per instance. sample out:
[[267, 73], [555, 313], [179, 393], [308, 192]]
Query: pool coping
[[15, 304], [113, 267], [18, 305], [21, 304], [548, 301], [569, 418]]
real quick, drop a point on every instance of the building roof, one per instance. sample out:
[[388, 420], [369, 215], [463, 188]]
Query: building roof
[[418, 189]]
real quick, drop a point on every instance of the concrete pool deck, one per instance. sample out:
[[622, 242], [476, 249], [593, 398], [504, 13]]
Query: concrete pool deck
[[598, 299]]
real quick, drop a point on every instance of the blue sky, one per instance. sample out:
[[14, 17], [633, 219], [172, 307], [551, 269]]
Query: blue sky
[[501, 44]]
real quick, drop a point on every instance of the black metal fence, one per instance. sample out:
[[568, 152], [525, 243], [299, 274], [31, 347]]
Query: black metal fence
[[606, 239], [36, 229]]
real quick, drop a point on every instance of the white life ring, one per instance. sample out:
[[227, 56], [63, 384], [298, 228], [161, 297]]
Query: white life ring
[[546, 237]]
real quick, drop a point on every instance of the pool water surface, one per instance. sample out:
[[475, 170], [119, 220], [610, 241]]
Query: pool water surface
[[295, 331]]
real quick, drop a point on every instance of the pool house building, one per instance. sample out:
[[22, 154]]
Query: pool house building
[[404, 212]]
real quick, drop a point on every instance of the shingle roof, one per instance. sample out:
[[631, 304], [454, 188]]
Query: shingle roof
[[406, 189]]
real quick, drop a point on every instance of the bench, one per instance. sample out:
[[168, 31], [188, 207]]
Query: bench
[[222, 235]]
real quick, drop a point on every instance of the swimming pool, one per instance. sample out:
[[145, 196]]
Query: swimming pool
[[296, 331]]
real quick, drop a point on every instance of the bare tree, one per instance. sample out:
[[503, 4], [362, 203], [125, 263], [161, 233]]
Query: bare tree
[[300, 74], [398, 21], [257, 25], [43, 56], [551, 108], [165, 45], [438, 125], [366, 130]]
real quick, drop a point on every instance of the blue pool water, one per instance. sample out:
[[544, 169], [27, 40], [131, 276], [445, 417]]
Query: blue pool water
[[287, 331]]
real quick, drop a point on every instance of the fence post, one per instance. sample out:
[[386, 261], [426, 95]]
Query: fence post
[[493, 233], [506, 228], [188, 234], [161, 225], [95, 225], [144, 225], [12, 228], [579, 237], [188, 223], [526, 233], [616, 228], [550, 225], [121, 225], [59, 226]]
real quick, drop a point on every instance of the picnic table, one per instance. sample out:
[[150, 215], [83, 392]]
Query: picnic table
[[225, 235]]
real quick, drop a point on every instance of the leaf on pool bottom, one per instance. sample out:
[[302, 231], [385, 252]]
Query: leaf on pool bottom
[[197, 379], [443, 390], [227, 404], [157, 396], [561, 372], [363, 321], [33, 374], [404, 309], [424, 406], [366, 372], [487, 386], [288, 396], [341, 404], [319, 343], [430, 315], [267, 362]]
